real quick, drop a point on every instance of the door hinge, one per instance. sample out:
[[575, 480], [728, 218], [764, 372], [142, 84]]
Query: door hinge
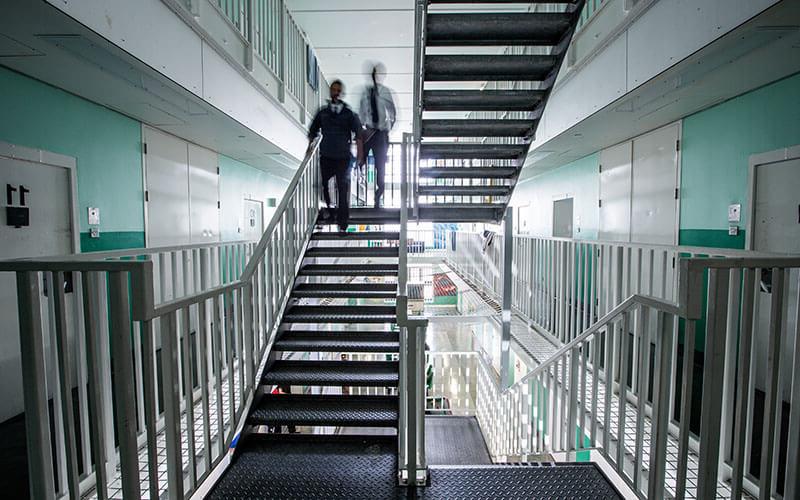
[[144, 147], [677, 193], [219, 205], [217, 170], [673, 263], [600, 203], [678, 145], [146, 196], [600, 168]]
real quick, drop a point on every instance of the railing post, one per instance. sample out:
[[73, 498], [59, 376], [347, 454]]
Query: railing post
[[125, 395], [660, 418], [40, 458], [714, 369], [249, 50], [505, 339]]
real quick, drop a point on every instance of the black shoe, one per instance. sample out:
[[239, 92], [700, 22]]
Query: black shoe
[[343, 229]]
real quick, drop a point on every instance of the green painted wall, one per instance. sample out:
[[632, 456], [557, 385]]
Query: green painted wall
[[716, 147], [105, 144], [238, 181], [578, 179]]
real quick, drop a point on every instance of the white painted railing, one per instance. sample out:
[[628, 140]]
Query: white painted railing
[[166, 372], [617, 341]]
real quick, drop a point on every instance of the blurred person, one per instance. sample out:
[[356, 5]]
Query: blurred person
[[378, 113], [340, 126]]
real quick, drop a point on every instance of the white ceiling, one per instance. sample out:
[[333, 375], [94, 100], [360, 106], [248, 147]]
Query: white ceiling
[[348, 34]]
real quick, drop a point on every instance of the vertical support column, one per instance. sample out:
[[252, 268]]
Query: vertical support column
[[40, 458], [402, 276], [505, 338]]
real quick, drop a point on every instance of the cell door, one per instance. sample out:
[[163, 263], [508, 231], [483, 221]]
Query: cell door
[[44, 191], [562, 218], [776, 228]]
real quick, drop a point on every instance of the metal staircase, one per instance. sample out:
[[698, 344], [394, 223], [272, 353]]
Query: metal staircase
[[318, 323], [472, 143]]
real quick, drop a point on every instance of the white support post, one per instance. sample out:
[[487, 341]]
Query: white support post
[[505, 338]]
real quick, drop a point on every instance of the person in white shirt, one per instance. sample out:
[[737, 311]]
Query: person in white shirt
[[378, 113]]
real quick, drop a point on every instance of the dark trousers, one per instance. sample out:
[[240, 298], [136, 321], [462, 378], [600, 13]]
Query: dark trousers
[[340, 169], [379, 145]]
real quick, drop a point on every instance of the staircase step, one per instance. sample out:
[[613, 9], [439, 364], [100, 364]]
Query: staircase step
[[478, 128], [464, 212], [349, 270], [497, 28], [337, 341], [356, 235], [482, 100], [468, 172], [564, 2], [368, 216], [359, 251], [332, 373], [345, 290], [341, 314], [301, 409], [481, 67], [464, 190], [471, 151]]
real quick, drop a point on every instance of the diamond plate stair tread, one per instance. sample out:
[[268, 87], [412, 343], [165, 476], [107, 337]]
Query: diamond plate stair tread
[[287, 409], [369, 216], [345, 290], [452, 440], [355, 235], [352, 252], [340, 314], [295, 467], [337, 342], [333, 373], [573, 481], [349, 270], [482, 100], [497, 28], [468, 172]]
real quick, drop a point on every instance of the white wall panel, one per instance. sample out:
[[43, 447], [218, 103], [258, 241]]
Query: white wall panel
[[672, 30], [140, 28], [600, 82], [224, 88], [615, 193]]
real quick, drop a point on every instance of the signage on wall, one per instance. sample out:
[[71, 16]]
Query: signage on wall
[[17, 216]]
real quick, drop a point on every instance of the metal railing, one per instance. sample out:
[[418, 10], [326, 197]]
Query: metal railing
[[411, 389], [268, 32], [617, 343], [162, 386]]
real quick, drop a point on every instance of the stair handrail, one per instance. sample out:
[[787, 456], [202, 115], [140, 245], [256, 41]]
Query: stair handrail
[[628, 304], [114, 299]]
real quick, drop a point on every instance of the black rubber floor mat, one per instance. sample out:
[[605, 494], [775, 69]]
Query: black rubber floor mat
[[287, 409], [333, 373], [529, 482], [294, 467]]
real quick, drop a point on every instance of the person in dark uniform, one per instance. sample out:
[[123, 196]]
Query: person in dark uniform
[[339, 126]]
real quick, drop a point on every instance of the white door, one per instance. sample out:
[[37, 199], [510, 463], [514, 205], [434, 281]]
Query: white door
[[203, 194], [50, 232], [253, 220], [654, 203], [167, 185], [615, 193], [776, 228], [182, 183]]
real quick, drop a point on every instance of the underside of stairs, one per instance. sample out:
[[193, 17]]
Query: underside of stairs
[[487, 71]]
